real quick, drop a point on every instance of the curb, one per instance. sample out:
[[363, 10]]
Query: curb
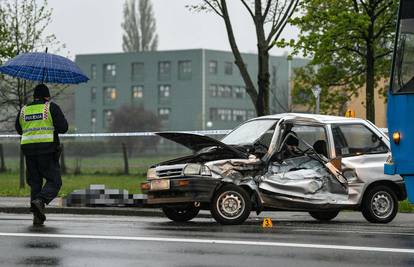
[[120, 211], [89, 211]]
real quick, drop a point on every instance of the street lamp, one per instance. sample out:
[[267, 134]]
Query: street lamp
[[317, 92]]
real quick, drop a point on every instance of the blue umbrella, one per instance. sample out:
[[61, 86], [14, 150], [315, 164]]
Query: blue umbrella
[[45, 68]]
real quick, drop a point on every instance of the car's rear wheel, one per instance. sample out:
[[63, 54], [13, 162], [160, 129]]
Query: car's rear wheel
[[231, 205], [324, 216], [379, 205], [182, 213]]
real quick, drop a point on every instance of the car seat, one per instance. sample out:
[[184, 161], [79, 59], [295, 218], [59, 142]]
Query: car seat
[[320, 147]]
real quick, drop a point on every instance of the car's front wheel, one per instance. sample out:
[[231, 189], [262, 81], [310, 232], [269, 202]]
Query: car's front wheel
[[324, 216], [231, 205], [379, 205], [182, 213]]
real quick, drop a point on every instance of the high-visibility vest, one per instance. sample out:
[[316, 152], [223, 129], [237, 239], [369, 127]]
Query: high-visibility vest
[[37, 124]]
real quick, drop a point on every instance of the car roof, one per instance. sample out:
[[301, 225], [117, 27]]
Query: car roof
[[311, 118]]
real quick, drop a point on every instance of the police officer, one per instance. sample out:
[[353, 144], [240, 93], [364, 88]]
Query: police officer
[[39, 123]]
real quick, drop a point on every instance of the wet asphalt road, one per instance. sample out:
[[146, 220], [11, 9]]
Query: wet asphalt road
[[295, 240]]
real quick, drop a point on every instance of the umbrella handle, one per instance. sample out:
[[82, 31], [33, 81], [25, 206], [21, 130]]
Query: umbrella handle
[[43, 74]]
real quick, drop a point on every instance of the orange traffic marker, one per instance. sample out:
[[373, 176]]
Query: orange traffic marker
[[267, 223]]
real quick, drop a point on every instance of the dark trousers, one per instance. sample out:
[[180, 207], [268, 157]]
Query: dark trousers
[[39, 167]]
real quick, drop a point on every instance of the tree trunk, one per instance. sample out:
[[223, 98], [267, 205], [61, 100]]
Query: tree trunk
[[263, 77], [2, 163], [78, 166], [370, 74], [126, 165], [263, 82], [250, 89]]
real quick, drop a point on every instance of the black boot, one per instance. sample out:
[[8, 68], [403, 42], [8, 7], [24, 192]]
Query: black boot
[[37, 221], [38, 210]]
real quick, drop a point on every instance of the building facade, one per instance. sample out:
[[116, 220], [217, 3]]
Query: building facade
[[188, 89]]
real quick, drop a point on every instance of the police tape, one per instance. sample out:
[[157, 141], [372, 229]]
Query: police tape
[[135, 134], [140, 134]]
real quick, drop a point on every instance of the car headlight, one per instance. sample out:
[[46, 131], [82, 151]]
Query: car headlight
[[196, 169], [192, 169], [151, 174], [205, 171]]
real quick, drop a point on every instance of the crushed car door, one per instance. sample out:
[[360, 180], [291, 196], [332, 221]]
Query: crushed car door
[[361, 149], [307, 176]]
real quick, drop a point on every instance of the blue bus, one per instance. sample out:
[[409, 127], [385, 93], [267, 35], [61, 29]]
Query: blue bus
[[400, 113]]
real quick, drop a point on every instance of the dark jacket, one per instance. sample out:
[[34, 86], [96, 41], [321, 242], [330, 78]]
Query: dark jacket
[[60, 124]]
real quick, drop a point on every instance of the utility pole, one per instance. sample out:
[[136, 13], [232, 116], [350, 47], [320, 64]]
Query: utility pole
[[289, 59], [317, 92]]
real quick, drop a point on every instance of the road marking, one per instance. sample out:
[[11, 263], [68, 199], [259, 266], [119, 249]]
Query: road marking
[[352, 231], [214, 241]]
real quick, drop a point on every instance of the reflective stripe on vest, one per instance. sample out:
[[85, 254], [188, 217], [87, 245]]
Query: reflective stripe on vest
[[37, 124]]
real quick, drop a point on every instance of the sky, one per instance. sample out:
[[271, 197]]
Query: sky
[[94, 26]]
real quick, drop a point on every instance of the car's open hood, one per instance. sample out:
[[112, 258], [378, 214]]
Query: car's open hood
[[197, 142]]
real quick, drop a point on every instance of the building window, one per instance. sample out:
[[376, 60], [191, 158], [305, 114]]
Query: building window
[[239, 115], [137, 92], [93, 72], [224, 114], [110, 95], [164, 93], [93, 120], [164, 70], [227, 91], [220, 114], [228, 68], [212, 67], [220, 91], [164, 113], [109, 71], [137, 71], [224, 91], [239, 92], [184, 70], [93, 94], [213, 90], [108, 116]]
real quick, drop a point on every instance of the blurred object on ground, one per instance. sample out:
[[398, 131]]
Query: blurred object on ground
[[98, 195]]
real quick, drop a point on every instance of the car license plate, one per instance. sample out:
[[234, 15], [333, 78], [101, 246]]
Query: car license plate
[[162, 184]]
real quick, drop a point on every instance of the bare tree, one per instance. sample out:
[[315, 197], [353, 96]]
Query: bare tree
[[23, 26], [269, 18], [25, 23], [133, 119], [139, 26]]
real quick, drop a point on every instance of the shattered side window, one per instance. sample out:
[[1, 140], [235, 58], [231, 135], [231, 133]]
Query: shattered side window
[[309, 134], [356, 139]]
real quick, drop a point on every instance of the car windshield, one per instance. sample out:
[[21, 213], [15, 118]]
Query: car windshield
[[248, 132]]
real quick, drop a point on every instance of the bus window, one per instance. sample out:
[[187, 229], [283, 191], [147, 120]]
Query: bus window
[[403, 76]]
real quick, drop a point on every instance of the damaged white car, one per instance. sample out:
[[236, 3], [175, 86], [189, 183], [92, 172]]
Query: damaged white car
[[297, 162]]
